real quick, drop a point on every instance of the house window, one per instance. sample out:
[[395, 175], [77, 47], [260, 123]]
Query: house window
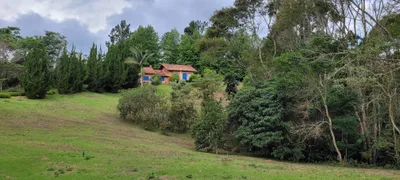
[[146, 78]]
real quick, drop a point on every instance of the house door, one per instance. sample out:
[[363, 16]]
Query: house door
[[184, 76], [162, 79]]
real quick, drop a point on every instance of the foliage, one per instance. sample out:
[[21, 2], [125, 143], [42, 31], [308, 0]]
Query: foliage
[[4, 95], [183, 112], [194, 77], [156, 80], [255, 116], [114, 72], [146, 39], [71, 73], [140, 57], [10, 72], [188, 53], [169, 45], [119, 34], [143, 107], [36, 72], [208, 130], [55, 44], [94, 70], [174, 78], [210, 83]]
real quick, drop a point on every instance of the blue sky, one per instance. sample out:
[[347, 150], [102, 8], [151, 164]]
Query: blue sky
[[86, 21]]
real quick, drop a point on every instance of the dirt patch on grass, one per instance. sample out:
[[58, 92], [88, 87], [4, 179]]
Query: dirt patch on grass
[[380, 172], [130, 171], [6, 177]]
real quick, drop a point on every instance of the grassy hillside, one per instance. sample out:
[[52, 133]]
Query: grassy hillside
[[44, 139]]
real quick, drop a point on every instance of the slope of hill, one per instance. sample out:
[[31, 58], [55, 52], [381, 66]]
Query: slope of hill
[[81, 137]]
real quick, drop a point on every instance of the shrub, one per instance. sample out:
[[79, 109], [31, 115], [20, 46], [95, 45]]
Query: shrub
[[143, 107], [174, 78], [156, 80], [193, 77], [183, 112], [208, 130], [5, 95]]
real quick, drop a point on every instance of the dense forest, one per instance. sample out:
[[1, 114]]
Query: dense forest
[[318, 78]]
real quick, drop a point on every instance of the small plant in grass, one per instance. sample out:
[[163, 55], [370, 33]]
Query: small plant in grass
[[151, 176], [50, 169], [190, 176], [61, 171], [88, 157], [69, 169], [227, 177], [253, 165], [244, 177]]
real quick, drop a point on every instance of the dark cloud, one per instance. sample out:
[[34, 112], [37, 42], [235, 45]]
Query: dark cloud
[[163, 15]]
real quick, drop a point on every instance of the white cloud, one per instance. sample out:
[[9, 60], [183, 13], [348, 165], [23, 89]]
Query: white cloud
[[91, 13]]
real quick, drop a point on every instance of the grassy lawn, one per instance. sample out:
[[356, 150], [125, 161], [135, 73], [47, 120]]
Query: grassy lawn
[[45, 139]]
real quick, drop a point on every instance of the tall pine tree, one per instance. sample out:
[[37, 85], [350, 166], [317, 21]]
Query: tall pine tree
[[114, 70], [36, 73], [92, 68], [64, 73]]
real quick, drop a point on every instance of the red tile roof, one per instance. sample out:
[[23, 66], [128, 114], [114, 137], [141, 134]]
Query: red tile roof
[[177, 67], [162, 73], [149, 70]]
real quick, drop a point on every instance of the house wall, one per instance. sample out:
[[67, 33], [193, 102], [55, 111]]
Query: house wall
[[147, 81], [166, 80], [180, 73]]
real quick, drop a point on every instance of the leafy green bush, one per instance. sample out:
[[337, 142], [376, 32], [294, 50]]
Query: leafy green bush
[[143, 107], [255, 114], [208, 129], [5, 95], [193, 77], [174, 78], [183, 112], [156, 80]]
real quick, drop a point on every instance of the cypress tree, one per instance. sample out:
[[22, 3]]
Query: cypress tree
[[64, 74], [114, 70], [36, 72], [92, 69], [78, 72]]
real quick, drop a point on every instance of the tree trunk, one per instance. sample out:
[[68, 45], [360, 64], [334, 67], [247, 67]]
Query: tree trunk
[[391, 114], [323, 97], [339, 154]]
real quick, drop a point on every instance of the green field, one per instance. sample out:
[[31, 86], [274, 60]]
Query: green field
[[45, 139]]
